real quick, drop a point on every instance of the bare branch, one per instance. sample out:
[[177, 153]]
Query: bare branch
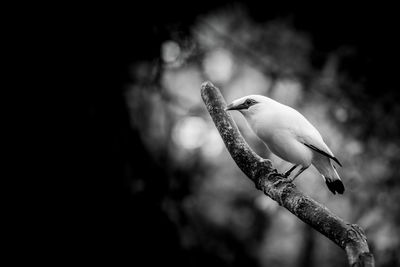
[[349, 237]]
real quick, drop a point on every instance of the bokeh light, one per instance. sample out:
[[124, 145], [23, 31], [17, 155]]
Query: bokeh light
[[190, 132], [170, 51], [218, 65]]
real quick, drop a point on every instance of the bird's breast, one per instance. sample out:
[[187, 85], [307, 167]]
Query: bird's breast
[[263, 125], [284, 144]]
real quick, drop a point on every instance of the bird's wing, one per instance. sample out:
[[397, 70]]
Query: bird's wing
[[290, 119], [310, 137], [323, 153]]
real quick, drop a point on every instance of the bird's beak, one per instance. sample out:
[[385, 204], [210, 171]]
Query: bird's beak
[[230, 107]]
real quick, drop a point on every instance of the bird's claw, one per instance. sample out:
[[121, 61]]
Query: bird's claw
[[283, 175], [290, 180], [274, 174]]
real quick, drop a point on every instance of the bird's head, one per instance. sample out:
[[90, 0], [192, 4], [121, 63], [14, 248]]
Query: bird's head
[[248, 104]]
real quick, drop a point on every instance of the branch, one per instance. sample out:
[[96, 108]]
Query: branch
[[349, 237]]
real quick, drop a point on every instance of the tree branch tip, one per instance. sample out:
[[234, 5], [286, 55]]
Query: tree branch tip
[[207, 84]]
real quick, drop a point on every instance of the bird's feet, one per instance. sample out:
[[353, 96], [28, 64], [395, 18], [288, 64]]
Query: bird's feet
[[288, 172], [274, 174], [290, 179], [285, 175]]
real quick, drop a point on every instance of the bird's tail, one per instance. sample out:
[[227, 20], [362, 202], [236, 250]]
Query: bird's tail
[[333, 181], [328, 171]]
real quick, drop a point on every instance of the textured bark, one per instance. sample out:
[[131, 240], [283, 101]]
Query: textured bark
[[349, 237]]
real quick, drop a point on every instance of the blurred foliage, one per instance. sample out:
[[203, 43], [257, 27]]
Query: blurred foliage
[[218, 214]]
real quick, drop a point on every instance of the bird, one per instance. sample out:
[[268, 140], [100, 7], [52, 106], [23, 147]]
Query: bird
[[290, 136]]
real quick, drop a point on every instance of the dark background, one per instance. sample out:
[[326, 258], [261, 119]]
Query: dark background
[[113, 224]]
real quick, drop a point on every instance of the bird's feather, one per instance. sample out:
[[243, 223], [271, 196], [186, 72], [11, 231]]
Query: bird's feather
[[323, 153], [325, 167], [335, 186]]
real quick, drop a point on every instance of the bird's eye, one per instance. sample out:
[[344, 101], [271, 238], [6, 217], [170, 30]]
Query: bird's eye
[[248, 101]]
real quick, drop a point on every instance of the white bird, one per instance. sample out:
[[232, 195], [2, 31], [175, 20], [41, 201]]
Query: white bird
[[290, 136]]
